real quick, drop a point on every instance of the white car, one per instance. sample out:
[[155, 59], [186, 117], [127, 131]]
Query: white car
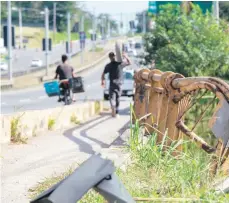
[[132, 52], [127, 86], [3, 66], [36, 63]]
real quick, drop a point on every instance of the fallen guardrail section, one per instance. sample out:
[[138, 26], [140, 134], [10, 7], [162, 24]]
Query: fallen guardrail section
[[162, 102], [102, 178]]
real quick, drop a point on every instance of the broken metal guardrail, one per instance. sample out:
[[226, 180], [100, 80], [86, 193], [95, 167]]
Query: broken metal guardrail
[[166, 96], [96, 173]]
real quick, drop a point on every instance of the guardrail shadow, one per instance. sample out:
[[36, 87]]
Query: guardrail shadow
[[86, 147]]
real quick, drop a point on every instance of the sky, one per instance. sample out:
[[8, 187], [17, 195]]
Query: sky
[[115, 8]]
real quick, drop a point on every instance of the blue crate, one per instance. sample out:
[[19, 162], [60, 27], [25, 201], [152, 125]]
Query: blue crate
[[52, 88]]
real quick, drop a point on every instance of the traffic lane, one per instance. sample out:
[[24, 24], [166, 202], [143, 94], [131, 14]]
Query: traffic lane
[[93, 91], [91, 76], [36, 98], [22, 58]]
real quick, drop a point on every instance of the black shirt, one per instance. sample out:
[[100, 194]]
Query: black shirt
[[64, 71], [115, 70]]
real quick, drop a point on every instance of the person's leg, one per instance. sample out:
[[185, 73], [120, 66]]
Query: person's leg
[[118, 95], [112, 100]]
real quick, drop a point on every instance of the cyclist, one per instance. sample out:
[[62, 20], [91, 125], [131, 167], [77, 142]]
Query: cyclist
[[65, 71]]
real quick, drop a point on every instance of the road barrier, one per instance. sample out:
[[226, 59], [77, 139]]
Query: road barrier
[[19, 126], [163, 102]]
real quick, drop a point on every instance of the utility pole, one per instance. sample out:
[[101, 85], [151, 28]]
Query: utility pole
[[121, 25], [46, 39], [109, 28], [9, 42], [216, 10], [69, 35], [20, 27], [82, 45], [144, 22], [93, 28], [54, 21]]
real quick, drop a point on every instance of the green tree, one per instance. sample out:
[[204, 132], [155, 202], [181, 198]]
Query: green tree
[[191, 44], [224, 10]]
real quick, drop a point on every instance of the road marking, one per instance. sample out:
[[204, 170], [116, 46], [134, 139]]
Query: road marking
[[42, 97], [25, 100]]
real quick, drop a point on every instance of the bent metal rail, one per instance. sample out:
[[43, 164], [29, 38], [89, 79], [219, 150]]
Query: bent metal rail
[[162, 100]]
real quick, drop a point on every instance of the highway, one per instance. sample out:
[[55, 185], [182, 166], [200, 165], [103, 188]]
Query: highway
[[36, 98], [22, 58]]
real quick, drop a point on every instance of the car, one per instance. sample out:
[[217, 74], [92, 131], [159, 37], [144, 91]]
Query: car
[[138, 45], [36, 63], [127, 85], [132, 52], [3, 66]]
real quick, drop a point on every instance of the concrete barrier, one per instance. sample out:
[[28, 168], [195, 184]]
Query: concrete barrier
[[31, 123]]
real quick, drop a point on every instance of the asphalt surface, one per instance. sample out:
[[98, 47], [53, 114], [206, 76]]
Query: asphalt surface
[[36, 98], [22, 58]]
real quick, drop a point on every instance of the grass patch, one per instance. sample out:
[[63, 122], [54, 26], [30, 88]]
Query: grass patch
[[51, 123], [74, 119], [156, 174], [15, 132], [36, 34], [97, 107], [97, 49]]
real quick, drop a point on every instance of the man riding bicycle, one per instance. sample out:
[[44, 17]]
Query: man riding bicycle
[[65, 72]]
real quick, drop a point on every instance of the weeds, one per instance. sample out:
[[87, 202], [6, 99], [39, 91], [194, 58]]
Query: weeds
[[15, 132], [97, 107], [51, 123], [74, 119]]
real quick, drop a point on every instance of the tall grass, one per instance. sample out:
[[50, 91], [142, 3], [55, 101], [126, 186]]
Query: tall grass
[[186, 175]]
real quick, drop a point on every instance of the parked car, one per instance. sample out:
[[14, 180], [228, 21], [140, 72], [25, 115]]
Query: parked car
[[3, 66], [36, 63], [127, 86]]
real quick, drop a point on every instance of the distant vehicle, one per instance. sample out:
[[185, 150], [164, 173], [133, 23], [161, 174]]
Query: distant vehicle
[[127, 86], [36, 63], [138, 45], [3, 66], [132, 52]]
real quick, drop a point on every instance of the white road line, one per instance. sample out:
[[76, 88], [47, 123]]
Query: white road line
[[42, 97], [25, 100]]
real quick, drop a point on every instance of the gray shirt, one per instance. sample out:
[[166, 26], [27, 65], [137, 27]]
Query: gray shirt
[[64, 71]]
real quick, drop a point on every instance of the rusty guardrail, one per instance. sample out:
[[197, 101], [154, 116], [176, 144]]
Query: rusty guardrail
[[163, 100]]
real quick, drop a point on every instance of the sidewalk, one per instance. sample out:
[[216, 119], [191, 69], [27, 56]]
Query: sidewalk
[[23, 166]]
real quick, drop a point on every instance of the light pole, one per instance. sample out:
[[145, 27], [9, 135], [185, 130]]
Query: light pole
[[144, 22], [216, 10], [46, 39], [20, 27], [54, 21], [9, 41], [69, 34]]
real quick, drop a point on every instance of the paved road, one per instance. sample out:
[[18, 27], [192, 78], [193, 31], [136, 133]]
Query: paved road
[[36, 98], [22, 58]]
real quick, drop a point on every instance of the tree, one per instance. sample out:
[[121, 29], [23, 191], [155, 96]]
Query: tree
[[190, 44], [224, 10]]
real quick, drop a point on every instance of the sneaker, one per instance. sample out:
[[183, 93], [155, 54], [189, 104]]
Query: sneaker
[[59, 100]]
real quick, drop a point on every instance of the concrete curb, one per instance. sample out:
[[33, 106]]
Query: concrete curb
[[31, 123]]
